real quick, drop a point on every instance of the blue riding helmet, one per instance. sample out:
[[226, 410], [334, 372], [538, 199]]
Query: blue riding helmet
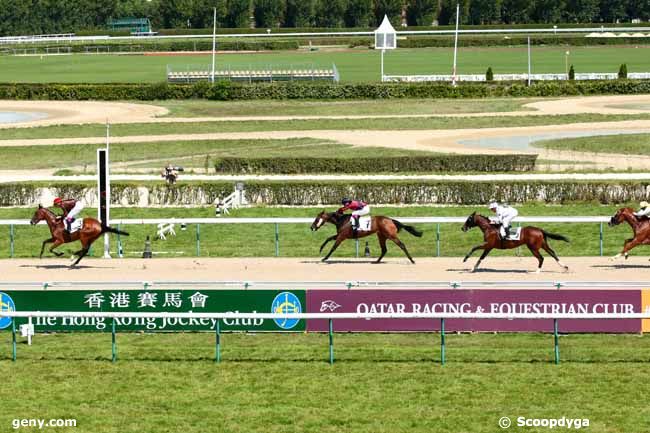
[[346, 201]]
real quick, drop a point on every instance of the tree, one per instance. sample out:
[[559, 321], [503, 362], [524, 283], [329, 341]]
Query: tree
[[390, 8], [447, 14], [175, 13], [421, 12], [485, 11], [548, 11], [622, 72], [269, 13], [582, 11], [489, 75], [203, 13], [638, 9], [238, 15], [300, 13], [359, 13], [572, 73], [329, 13], [516, 11], [613, 10]]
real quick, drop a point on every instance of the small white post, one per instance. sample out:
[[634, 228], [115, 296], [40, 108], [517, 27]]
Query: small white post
[[453, 77], [529, 68], [382, 64], [214, 43]]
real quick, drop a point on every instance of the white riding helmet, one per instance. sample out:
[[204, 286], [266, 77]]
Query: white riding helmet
[[494, 205], [644, 204]]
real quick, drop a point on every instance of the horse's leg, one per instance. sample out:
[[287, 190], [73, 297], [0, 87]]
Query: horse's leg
[[328, 240], [334, 247], [80, 255], [478, 247], [403, 247], [46, 241], [537, 254], [382, 245], [549, 250], [56, 244], [629, 244], [480, 259]]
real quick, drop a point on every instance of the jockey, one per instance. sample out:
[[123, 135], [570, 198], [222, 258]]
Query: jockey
[[359, 208], [71, 209], [644, 211], [504, 216]]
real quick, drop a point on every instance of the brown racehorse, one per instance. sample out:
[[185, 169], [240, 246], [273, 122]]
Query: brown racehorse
[[534, 238], [640, 228], [386, 228], [89, 232]]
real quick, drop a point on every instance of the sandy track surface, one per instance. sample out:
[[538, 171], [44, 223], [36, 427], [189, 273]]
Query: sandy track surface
[[312, 270]]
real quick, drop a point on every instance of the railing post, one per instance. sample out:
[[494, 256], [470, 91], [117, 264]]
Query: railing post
[[11, 241], [13, 339], [601, 239], [438, 240], [120, 250], [556, 340], [442, 341], [356, 247], [331, 337], [217, 337], [113, 342], [198, 240], [277, 240]]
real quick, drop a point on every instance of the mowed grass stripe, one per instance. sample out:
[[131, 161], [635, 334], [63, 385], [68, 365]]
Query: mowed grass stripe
[[297, 240], [396, 124], [627, 144], [354, 65], [282, 383]]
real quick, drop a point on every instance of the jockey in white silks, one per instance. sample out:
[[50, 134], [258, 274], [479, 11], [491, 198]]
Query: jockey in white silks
[[644, 210], [504, 216]]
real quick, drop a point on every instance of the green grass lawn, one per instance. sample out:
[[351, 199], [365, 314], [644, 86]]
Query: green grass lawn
[[36, 157], [353, 65], [396, 124], [200, 108], [627, 144], [389, 383], [297, 240]]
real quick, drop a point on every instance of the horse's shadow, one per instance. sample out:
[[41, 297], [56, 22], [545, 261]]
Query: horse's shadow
[[489, 270], [622, 266], [342, 262], [53, 266]]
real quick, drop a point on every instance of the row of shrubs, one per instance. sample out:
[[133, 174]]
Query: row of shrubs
[[226, 91], [436, 163], [318, 193]]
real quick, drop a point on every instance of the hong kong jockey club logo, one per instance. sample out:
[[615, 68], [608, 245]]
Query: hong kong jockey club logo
[[286, 303], [6, 305], [329, 305]]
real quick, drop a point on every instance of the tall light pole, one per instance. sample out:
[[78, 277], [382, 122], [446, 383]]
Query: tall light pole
[[214, 42], [453, 77], [566, 63], [529, 67]]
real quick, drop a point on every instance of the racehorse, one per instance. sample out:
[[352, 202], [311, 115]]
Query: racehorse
[[640, 228], [89, 232], [386, 228], [534, 238]]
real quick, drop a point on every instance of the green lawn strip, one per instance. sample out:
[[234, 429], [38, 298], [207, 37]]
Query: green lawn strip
[[361, 65], [282, 383], [407, 123], [627, 144], [37, 157], [201, 108], [297, 240]]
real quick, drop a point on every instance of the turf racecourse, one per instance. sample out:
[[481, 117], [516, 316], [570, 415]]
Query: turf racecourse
[[283, 383], [354, 65]]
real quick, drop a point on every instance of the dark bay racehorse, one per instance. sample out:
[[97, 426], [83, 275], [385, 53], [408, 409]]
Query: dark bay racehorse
[[386, 228], [640, 228], [89, 232], [534, 238]]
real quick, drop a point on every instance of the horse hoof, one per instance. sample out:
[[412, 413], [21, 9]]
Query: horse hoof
[[538, 271]]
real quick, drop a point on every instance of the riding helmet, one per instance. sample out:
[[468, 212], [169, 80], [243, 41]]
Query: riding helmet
[[346, 201], [57, 201]]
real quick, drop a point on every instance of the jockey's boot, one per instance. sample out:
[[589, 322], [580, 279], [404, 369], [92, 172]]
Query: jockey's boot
[[355, 226], [68, 225]]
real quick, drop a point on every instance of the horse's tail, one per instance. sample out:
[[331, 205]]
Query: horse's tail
[[554, 236], [107, 229], [412, 230]]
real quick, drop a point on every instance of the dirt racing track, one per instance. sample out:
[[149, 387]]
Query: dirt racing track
[[496, 269]]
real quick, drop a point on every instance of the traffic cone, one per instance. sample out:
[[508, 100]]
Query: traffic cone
[[147, 254], [366, 251]]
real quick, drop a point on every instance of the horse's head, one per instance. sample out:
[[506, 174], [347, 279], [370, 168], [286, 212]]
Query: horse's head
[[469, 222], [621, 215], [39, 215], [320, 220]]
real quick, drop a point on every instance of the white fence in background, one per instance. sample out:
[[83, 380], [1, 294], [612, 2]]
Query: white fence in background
[[514, 77]]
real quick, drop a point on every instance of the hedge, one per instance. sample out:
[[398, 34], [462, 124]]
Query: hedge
[[228, 91], [324, 193], [436, 163]]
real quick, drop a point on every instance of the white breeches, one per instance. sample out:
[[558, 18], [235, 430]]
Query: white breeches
[[360, 213]]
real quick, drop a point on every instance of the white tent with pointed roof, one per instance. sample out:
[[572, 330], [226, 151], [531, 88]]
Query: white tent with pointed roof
[[385, 36]]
